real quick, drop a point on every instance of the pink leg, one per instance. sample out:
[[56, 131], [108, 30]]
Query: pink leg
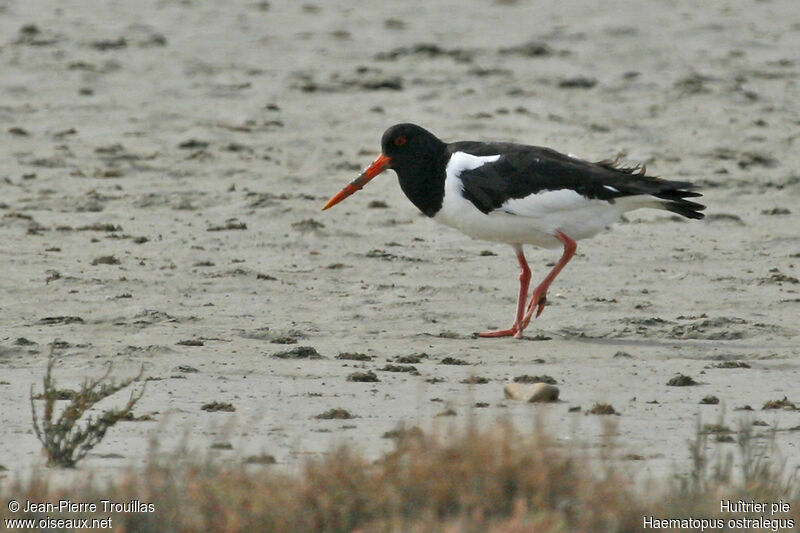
[[524, 283], [540, 293]]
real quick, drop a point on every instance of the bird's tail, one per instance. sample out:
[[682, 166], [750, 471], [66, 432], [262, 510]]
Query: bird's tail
[[675, 200], [655, 192]]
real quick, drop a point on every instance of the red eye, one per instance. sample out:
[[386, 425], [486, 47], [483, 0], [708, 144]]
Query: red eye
[[399, 141]]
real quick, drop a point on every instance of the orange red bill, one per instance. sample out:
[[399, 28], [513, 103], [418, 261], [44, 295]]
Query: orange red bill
[[380, 164]]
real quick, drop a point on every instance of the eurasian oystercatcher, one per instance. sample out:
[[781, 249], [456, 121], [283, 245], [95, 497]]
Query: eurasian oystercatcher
[[518, 194]]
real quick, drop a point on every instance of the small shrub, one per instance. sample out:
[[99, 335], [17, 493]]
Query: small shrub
[[65, 440]]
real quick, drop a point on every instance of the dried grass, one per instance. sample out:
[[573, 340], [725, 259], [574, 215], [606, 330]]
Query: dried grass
[[475, 480]]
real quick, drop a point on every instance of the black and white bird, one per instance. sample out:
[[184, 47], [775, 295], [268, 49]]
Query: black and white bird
[[518, 194]]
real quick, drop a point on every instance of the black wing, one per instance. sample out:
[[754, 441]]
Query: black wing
[[524, 170]]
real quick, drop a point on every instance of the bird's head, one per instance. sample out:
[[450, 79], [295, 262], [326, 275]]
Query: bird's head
[[401, 146]]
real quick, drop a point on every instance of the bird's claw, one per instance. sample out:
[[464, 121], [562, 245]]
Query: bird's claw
[[537, 304], [540, 305]]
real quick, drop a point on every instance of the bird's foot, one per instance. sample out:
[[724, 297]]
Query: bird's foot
[[514, 331]]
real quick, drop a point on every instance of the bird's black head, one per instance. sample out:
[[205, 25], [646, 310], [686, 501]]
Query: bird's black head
[[403, 143], [419, 159]]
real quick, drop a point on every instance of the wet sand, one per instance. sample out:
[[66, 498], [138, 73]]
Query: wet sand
[[164, 163]]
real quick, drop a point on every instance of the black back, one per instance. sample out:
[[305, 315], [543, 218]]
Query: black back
[[524, 170]]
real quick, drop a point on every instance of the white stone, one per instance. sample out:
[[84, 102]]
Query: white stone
[[531, 392]]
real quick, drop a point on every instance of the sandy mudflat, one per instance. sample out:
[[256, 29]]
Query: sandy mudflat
[[195, 141]]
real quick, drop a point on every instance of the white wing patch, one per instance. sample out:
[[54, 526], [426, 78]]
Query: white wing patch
[[455, 208], [461, 161]]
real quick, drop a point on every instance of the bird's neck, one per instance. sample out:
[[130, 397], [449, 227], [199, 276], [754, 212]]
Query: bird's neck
[[422, 180], [424, 186]]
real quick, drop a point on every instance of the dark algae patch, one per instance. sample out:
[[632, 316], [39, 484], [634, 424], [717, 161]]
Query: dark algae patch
[[602, 409], [300, 352], [336, 413], [215, 406], [352, 356], [525, 378], [363, 377], [682, 380]]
